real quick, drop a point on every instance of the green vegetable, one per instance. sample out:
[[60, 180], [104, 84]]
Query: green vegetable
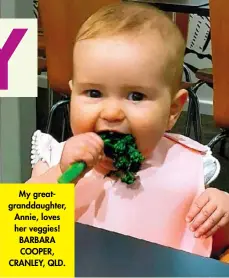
[[126, 157], [122, 149]]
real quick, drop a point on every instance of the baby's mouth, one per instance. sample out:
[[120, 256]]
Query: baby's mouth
[[112, 133], [110, 137]]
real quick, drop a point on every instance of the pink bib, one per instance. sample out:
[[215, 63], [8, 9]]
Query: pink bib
[[156, 208]]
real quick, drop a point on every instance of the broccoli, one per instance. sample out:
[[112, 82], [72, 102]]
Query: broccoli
[[122, 149]]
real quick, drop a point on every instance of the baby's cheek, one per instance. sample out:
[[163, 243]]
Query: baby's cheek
[[80, 126], [148, 137], [81, 120]]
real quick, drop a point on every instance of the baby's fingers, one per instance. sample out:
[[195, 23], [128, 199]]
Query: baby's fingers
[[94, 149], [95, 141], [223, 221], [203, 215], [213, 222], [197, 206]]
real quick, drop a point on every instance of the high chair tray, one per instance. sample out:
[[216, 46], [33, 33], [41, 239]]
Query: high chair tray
[[100, 253]]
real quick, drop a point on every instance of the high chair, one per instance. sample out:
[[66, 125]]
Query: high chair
[[61, 19]]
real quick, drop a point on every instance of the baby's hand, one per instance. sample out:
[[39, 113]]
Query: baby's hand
[[87, 147], [209, 212]]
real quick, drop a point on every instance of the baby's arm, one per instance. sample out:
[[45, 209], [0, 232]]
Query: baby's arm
[[43, 174], [39, 169], [209, 214], [87, 147]]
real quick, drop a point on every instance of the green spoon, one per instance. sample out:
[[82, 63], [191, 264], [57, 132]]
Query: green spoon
[[72, 172]]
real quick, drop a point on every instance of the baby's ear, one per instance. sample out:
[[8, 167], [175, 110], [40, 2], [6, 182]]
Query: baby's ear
[[70, 84], [176, 108]]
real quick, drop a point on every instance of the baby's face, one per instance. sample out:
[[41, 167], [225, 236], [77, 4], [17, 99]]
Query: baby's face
[[118, 84]]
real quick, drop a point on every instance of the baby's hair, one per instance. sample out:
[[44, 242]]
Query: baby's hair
[[128, 18]]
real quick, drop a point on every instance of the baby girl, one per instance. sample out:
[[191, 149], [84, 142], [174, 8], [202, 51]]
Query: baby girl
[[127, 69]]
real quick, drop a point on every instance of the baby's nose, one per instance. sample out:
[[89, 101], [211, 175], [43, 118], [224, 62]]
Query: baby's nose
[[112, 111]]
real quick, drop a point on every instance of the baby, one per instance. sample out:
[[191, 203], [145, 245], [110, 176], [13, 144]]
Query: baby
[[127, 69]]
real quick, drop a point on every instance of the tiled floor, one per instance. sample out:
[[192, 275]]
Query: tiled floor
[[209, 131]]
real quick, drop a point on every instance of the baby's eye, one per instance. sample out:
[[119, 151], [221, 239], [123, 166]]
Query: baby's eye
[[135, 96], [93, 93]]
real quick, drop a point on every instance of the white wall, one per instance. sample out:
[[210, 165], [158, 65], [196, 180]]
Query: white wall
[[17, 116]]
